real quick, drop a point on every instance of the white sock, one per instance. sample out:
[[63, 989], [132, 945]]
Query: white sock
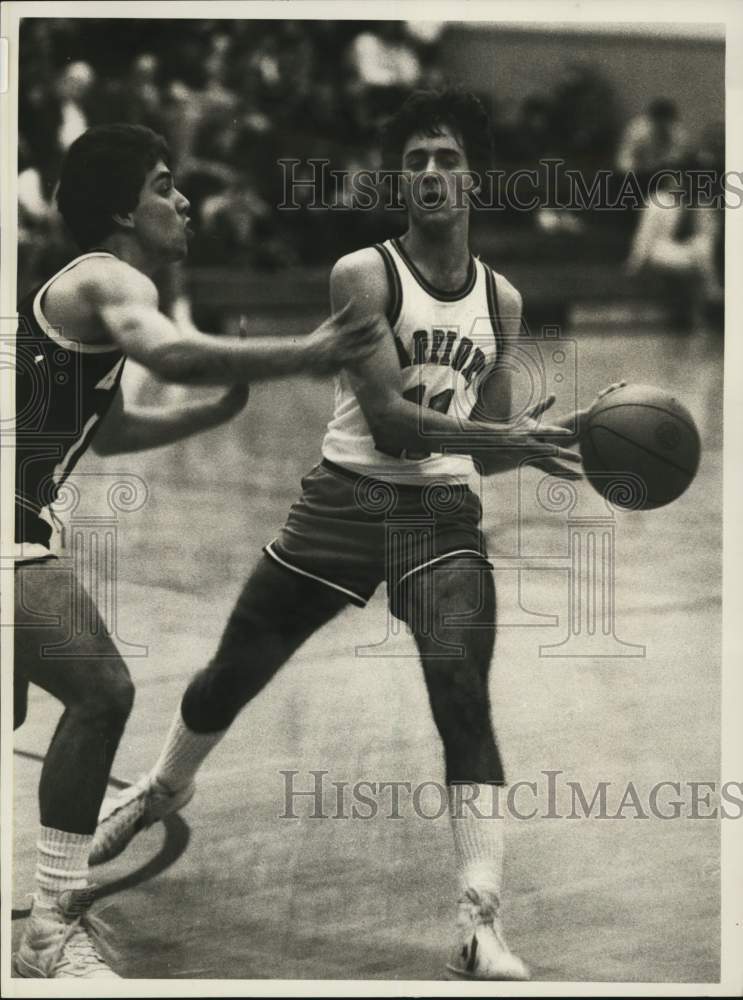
[[61, 863], [479, 832], [183, 754]]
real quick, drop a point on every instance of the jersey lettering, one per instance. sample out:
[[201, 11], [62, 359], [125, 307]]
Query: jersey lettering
[[445, 344]]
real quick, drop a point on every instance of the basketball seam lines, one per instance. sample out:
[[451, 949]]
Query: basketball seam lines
[[649, 406], [642, 447], [606, 468]]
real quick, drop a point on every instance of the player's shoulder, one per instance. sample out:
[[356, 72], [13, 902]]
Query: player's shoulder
[[361, 273], [103, 280], [364, 263], [509, 297]]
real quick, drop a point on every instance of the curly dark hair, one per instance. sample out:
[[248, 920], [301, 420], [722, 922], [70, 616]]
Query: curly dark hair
[[427, 112], [103, 175]]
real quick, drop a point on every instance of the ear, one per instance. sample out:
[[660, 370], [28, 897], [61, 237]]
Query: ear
[[125, 221]]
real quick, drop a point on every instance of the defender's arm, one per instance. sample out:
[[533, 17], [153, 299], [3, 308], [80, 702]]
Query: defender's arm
[[126, 428], [125, 301]]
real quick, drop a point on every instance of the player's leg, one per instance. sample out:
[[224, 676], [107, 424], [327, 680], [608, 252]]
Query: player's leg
[[274, 615], [453, 621], [92, 683], [451, 610], [277, 611]]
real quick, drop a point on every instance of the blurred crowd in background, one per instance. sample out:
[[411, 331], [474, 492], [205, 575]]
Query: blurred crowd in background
[[233, 98]]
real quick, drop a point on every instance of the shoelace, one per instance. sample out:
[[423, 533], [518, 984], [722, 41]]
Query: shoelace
[[484, 913], [78, 946], [130, 797], [485, 910], [59, 525]]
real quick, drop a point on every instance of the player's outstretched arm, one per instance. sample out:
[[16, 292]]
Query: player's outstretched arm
[[125, 301], [126, 428]]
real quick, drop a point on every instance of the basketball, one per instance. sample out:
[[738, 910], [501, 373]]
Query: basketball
[[640, 447]]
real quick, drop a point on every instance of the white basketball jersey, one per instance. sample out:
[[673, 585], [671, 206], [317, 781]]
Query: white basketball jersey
[[446, 342]]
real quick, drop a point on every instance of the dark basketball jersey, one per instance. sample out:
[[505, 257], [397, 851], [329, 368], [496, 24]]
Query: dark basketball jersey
[[63, 389]]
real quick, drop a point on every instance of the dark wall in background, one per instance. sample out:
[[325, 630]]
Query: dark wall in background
[[513, 63]]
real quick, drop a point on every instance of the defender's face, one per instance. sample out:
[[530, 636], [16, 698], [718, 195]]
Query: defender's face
[[161, 221], [435, 177]]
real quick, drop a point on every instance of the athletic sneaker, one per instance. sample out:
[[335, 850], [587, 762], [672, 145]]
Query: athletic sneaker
[[482, 952], [134, 809], [62, 941]]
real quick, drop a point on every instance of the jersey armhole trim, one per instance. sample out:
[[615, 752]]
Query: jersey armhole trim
[[395, 285], [53, 332], [494, 310]]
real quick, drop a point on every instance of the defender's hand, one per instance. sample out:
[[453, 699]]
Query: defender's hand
[[236, 396], [342, 340], [233, 400]]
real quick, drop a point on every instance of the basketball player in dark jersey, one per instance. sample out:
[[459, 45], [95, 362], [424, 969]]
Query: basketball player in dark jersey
[[118, 198], [436, 391]]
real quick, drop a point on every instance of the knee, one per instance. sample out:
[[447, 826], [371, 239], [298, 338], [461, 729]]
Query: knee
[[120, 695], [107, 696], [453, 606]]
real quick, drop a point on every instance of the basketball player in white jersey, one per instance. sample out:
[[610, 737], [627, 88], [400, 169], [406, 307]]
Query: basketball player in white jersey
[[119, 200], [399, 447]]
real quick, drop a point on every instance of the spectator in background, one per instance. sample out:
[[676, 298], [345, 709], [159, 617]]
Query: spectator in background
[[73, 90], [711, 157], [653, 141], [32, 205], [678, 243], [231, 221], [229, 100], [216, 93], [382, 59], [33, 212], [39, 120], [584, 115], [135, 97], [384, 65], [529, 138]]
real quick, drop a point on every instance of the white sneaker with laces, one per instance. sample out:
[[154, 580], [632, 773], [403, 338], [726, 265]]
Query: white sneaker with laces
[[63, 942], [134, 809], [482, 952]]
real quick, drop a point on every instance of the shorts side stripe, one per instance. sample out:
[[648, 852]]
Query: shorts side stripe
[[445, 555], [360, 601]]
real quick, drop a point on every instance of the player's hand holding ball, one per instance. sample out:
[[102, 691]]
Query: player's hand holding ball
[[528, 441], [577, 421]]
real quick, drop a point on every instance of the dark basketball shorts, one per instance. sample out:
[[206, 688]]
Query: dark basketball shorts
[[352, 532]]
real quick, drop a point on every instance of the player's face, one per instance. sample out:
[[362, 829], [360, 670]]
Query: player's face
[[435, 177], [161, 220]]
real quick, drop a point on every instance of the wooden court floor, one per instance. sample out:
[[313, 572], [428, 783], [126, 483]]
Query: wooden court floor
[[232, 890]]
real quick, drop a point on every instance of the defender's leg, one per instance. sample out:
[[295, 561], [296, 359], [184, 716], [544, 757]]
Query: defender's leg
[[93, 684]]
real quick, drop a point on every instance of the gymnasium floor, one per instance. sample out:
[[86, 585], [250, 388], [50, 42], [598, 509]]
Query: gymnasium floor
[[257, 896]]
